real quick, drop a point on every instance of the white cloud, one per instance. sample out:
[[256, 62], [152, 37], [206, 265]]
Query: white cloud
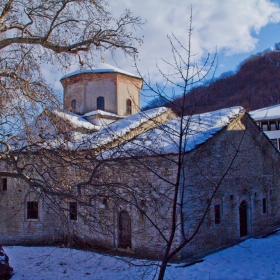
[[228, 25]]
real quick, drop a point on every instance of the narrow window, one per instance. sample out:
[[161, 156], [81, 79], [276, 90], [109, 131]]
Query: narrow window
[[264, 126], [73, 211], [264, 205], [32, 210], [128, 106], [217, 214], [4, 184], [100, 103], [231, 197], [74, 104], [272, 125]]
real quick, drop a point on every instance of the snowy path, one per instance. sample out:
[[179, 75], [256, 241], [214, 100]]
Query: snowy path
[[252, 259]]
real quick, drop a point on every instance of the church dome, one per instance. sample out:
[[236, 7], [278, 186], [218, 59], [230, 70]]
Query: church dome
[[100, 68]]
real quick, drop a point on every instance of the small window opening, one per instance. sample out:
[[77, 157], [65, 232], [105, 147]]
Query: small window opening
[[256, 194], [104, 203], [100, 103], [264, 126], [231, 197], [264, 205], [143, 204], [32, 210], [270, 192], [273, 126], [4, 184], [128, 106], [73, 211], [74, 104], [217, 214]]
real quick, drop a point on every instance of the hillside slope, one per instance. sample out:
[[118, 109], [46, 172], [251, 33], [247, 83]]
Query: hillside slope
[[255, 85]]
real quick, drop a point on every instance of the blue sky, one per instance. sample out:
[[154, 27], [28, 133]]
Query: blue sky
[[235, 28], [267, 37]]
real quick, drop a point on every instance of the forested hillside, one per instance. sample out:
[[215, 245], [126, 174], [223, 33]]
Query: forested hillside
[[256, 84]]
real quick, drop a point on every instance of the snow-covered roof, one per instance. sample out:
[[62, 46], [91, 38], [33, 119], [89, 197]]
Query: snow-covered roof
[[164, 139], [118, 129], [268, 113], [75, 120], [150, 137], [101, 113], [100, 68]]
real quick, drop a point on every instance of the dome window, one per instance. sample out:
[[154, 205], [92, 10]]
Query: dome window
[[100, 103], [128, 107]]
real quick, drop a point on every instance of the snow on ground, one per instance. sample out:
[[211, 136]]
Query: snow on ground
[[252, 259]]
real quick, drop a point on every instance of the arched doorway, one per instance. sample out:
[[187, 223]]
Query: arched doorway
[[243, 218], [124, 230]]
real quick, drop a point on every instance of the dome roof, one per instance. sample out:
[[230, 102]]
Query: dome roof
[[100, 68]]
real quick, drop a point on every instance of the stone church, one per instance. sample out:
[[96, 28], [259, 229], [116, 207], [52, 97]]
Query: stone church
[[228, 188]]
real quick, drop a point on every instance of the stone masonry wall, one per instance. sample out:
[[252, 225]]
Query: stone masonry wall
[[15, 228], [253, 176], [143, 183], [137, 189]]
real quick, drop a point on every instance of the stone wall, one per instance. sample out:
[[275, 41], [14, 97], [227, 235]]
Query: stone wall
[[133, 188], [143, 187], [253, 176], [16, 228]]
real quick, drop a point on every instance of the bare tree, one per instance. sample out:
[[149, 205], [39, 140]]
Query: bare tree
[[96, 180], [159, 169], [38, 34]]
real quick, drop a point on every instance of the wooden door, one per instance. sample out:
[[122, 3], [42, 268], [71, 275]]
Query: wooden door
[[124, 230], [243, 218]]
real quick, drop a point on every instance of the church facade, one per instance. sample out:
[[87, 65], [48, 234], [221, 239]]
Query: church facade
[[228, 190]]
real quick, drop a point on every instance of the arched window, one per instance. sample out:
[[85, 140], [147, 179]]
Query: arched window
[[100, 103], [74, 104], [128, 106]]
